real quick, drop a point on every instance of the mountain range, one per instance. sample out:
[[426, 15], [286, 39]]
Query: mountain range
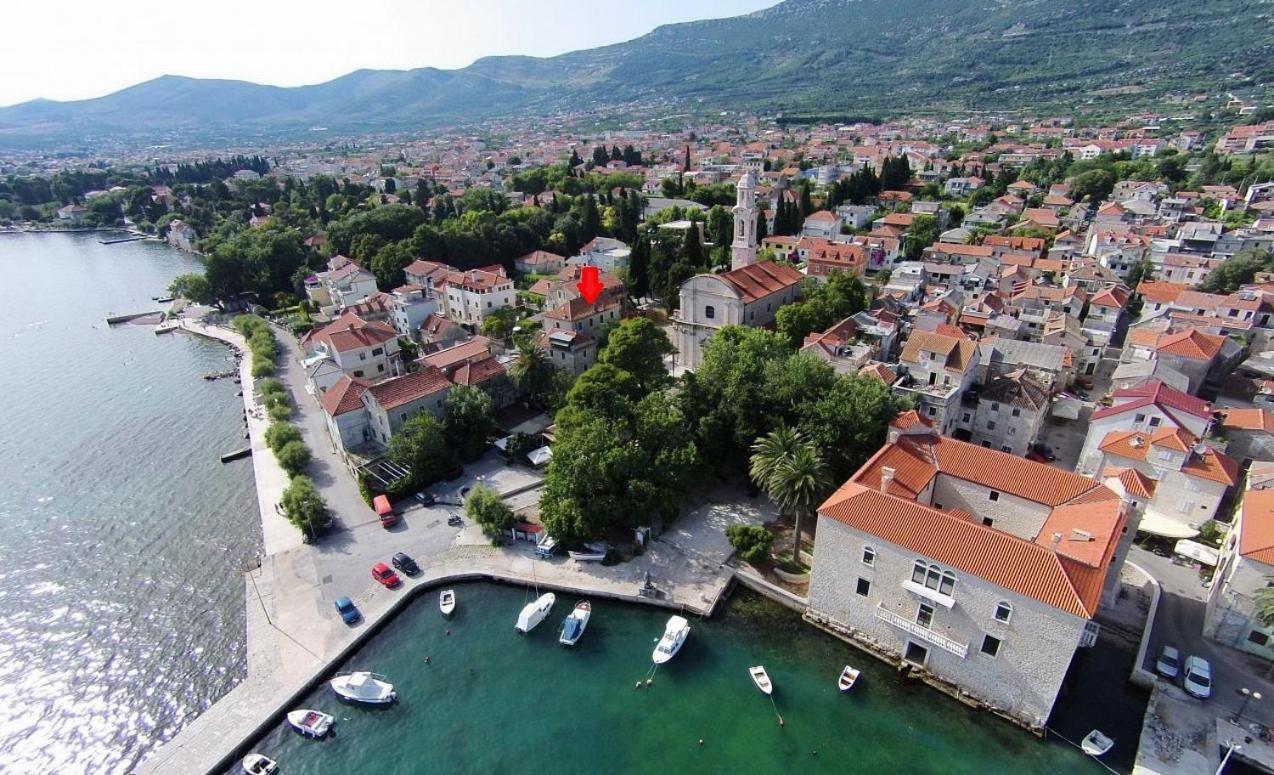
[[831, 57]]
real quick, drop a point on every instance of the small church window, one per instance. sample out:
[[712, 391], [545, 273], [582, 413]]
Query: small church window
[[709, 312]]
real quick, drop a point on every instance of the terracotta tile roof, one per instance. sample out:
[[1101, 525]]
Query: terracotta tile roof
[[1154, 392], [1001, 558], [957, 352], [1110, 297], [541, 258], [1016, 243], [1135, 483], [1251, 419], [410, 387], [345, 396], [474, 373], [350, 332], [957, 249], [1256, 533], [1190, 343], [879, 371], [1209, 464], [578, 309], [1161, 292], [476, 348], [756, 281], [910, 419]]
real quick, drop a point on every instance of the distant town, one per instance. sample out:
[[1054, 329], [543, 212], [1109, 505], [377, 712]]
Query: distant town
[[983, 397]]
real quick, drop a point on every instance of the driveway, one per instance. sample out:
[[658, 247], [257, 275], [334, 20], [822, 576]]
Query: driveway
[[1179, 622]]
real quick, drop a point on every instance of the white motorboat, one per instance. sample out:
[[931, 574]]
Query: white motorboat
[[362, 686], [675, 633], [535, 612], [1096, 743], [761, 679], [447, 602], [311, 723], [574, 624], [586, 556], [848, 677], [259, 764]]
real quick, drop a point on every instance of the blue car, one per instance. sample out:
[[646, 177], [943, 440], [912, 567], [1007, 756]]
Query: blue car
[[345, 607]]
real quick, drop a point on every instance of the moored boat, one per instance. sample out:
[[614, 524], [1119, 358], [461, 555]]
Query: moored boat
[[675, 633], [586, 556], [447, 602], [535, 612], [362, 686], [573, 625], [848, 677], [311, 723], [259, 764], [761, 679], [1096, 743]]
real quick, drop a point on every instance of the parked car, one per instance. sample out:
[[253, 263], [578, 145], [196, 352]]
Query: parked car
[[1197, 679], [425, 498], [385, 575], [349, 613], [1044, 451], [385, 511], [1168, 664], [405, 563]]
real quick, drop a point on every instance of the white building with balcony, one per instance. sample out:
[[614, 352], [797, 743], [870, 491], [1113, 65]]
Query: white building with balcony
[[981, 570]]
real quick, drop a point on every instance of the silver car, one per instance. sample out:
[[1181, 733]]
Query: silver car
[[1168, 664], [1198, 678]]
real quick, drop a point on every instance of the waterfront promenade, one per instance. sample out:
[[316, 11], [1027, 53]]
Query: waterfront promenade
[[294, 637]]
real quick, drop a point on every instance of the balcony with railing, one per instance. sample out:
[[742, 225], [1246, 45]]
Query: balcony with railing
[[923, 633]]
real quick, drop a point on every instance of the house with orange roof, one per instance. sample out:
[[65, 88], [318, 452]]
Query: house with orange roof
[[570, 334], [1248, 433], [1149, 407], [1190, 478], [1186, 349], [823, 224], [1245, 564], [473, 294], [344, 283], [937, 370], [982, 569], [748, 296], [393, 402], [359, 348]]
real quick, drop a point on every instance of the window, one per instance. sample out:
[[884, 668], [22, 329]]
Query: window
[[864, 587], [995, 407], [1006, 448], [995, 495], [966, 417], [869, 556], [990, 425], [1139, 418], [1017, 412], [378, 351], [924, 615], [358, 374], [991, 646], [1258, 637], [362, 356], [1154, 421], [932, 411], [1003, 612], [380, 367], [988, 521], [933, 577]]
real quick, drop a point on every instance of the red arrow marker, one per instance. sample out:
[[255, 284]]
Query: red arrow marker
[[589, 284]]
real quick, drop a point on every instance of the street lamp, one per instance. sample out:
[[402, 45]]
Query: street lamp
[[1248, 695]]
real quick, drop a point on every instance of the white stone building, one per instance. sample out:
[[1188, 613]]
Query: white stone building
[[748, 296], [1148, 407], [1246, 563], [937, 371], [1010, 413], [363, 349]]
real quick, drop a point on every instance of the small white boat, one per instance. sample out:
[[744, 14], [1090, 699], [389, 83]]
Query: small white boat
[[675, 633], [574, 624], [311, 723], [535, 612], [447, 602], [363, 686], [259, 764], [1096, 743], [586, 556], [761, 679], [847, 678]]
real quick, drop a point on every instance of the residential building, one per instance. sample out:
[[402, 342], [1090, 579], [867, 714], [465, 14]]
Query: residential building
[[571, 331], [364, 349], [1009, 414], [980, 569], [823, 224], [393, 402], [540, 262], [473, 294], [1244, 568], [181, 235], [605, 253], [748, 296], [937, 369], [1148, 407], [343, 284], [474, 363], [1195, 354], [344, 412]]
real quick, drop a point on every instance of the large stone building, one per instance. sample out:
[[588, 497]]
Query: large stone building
[[748, 296], [1010, 413], [981, 570], [1245, 565]]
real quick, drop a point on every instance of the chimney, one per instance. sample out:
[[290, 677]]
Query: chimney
[[886, 476], [1057, 539]]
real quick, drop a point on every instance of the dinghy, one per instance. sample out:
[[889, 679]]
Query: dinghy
[[761, 679], [259, 764], [1096, 743], [447, 602], [535, 612], [847, 678], [311, 723]]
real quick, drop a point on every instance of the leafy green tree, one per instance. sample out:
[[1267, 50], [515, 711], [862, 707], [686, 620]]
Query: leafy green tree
[[468, 420], [192, 286], [485, 507], [304, 506], [827, 302], [1093, 185], [499, 324], [531, 373], [639, 347], [923, 233], [752, 542], [1237, 271], [279, 434], [792, 472], [293, 456], [1142, 270], [421, 446]]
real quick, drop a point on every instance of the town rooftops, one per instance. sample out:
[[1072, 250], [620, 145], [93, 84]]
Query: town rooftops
[[1256, 534], [1205, 464], [402, 390], [1016, 389], [756, 281], [579, 309], [350, 332], [477, 348], [1110, 297], [1189, 342], [345, 396], [956, 353], [1249, 419], [1158, 393]]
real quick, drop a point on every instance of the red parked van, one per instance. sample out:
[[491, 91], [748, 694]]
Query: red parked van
[[388, 518]]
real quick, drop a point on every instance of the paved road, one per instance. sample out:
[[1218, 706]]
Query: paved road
[[1179, 622]]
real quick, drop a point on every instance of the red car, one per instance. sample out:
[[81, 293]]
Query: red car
[[1036, 457], [385, 575]]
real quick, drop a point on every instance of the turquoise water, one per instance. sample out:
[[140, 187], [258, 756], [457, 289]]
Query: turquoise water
[[492, 701]]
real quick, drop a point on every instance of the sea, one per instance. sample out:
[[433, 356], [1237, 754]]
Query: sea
[[122, 536]]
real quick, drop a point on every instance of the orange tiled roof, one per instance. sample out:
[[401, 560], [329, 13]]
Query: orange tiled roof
[[350, 332], [957, 352], [1256, 534], [1251, 419], [345, 396], [1135, 482], [403, 390], [1161, 292], [756, 281]]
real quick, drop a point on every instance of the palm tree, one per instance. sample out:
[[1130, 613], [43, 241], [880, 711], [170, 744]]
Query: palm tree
[[1264, 599], [528, 369], [793, 473]]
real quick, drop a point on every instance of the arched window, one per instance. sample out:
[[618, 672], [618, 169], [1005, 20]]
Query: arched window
[[709, 312], [933, 577], [1003, 611]]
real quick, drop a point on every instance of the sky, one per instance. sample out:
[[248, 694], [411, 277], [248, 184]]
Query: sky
[[75, 49]]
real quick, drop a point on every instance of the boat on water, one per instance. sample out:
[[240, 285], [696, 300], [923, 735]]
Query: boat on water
[[573, 625], [311, 723], [447, 602], [1096, 743], [675, 633], [259, 764], [535, 612], [362, 686], [761, 679], [595, 552], [848, 677]]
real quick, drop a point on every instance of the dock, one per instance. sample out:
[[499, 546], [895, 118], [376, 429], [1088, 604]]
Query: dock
[[236, 455], [132, 238], [117, 319]]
